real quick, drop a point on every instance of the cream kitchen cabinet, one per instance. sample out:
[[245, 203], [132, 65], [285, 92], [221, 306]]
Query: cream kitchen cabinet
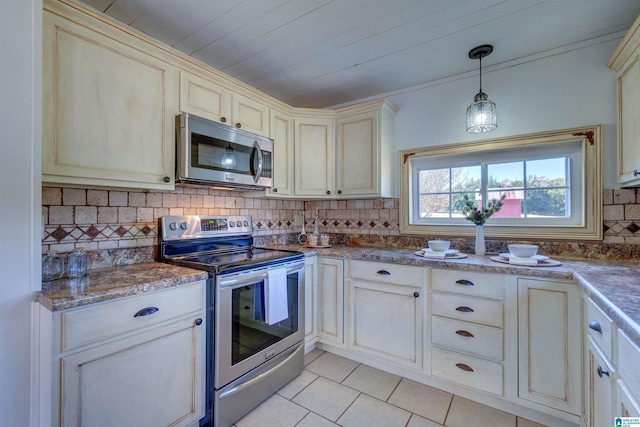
[[364, 150], [314, 150], [109, 102], [310, 299], [626, 62], [467, 329], [132, 361], [385, 309], [599, 380], [550, 343], [330, 294], [627, 400], [207, 98], [281, 127]]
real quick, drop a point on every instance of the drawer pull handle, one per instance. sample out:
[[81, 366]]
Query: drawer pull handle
[[595, 325], [465, 309], [416, 294], [146, 311], [465, 333], [384, 272], [601, 371], [464, 367], [464, 282]]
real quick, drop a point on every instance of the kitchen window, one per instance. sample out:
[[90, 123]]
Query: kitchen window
[[550, 183]]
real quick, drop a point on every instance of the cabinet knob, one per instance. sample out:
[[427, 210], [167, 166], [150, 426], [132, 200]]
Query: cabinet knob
[[275, 190], [383, 272], [463, 333], [595, 325], [465, 309], [339, 191], [328, 192], [416, 294], [166, 179], [464, 367], [636, 172], [223, 119], [601, 371], [198, 321], [464, 282], [238, 125], [146, 311]]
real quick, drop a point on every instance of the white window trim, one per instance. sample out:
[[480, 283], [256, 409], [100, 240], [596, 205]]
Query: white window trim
[[588, 228]]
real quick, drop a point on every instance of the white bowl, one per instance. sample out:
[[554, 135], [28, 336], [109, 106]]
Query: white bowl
[[439, 245], [523, 251]]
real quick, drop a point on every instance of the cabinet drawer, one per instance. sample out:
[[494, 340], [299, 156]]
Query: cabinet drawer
[[468, 283], [387, 273], [477, 310], [467, 370], [485, 341], [599, 327], [101, 321]]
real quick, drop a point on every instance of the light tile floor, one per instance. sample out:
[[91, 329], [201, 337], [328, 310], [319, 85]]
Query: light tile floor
[[334, 391]]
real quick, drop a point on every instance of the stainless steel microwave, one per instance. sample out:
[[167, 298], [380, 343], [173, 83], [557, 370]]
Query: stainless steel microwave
[[214, 154]]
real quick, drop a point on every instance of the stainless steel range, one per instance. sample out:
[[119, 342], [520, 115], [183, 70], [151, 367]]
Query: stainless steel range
[[255, 310]]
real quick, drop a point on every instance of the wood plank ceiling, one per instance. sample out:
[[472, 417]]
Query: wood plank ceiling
[[319, 53]]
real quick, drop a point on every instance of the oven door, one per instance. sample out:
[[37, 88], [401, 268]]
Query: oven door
[[258, 314]]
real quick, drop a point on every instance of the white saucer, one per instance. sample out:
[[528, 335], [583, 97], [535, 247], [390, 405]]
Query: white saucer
[[447, 252], [539, 258]]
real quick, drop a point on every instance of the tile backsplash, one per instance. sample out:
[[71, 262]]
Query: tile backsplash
[[103, 220]]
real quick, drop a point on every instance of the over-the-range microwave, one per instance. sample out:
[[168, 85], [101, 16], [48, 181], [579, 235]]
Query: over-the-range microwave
[[214, 154]]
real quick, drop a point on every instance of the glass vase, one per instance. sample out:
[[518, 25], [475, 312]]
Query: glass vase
[[480, 245]]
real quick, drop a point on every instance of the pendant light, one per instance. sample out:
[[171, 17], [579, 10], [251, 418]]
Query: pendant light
[[229, 158], [481, 114]]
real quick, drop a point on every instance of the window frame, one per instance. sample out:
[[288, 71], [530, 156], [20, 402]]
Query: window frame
[[589, 225]]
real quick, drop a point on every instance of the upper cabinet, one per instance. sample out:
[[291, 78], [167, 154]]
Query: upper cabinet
[[108, 105], [281, 127], [364, 150], [314, 149], [211, 100], [625, 61]]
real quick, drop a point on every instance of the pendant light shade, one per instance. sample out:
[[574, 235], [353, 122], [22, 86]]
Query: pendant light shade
[[482, 114]]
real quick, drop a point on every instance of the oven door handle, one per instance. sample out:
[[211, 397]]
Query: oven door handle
[[257, 379], [242, 280]]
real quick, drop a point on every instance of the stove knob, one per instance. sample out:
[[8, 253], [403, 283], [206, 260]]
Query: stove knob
[[173, 226], [184, 225], [246, 223], [232, 224], [239, 223]]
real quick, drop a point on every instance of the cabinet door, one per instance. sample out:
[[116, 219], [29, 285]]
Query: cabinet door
[[599, 382], [550, 343], [330, 300], [283, 166], [315, 159], [310, 296], [386, 321], [629, 122], [358, 155], [625, 404], [151, 379], [204, 98], [250, 115], [108, 109]]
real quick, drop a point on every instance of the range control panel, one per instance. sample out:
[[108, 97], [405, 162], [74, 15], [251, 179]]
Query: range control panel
[[194, 226]]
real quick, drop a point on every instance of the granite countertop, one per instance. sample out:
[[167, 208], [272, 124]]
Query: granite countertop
[[614, 288], [105, 284]]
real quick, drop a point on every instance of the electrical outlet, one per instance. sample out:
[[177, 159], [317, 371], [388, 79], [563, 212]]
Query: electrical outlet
[[297, 221]]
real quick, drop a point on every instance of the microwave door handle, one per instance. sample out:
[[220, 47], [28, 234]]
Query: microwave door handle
[[256, 146]]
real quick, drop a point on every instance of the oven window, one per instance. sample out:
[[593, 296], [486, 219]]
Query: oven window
[[250, 332]]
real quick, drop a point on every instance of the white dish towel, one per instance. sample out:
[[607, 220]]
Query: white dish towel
[[275, 296]]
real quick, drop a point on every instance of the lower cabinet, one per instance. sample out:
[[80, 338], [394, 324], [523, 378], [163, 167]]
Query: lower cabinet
[[330, 303], [550, 343], [627, 400], [151, 373], [599, 387], [310, 299], [385, 311]]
